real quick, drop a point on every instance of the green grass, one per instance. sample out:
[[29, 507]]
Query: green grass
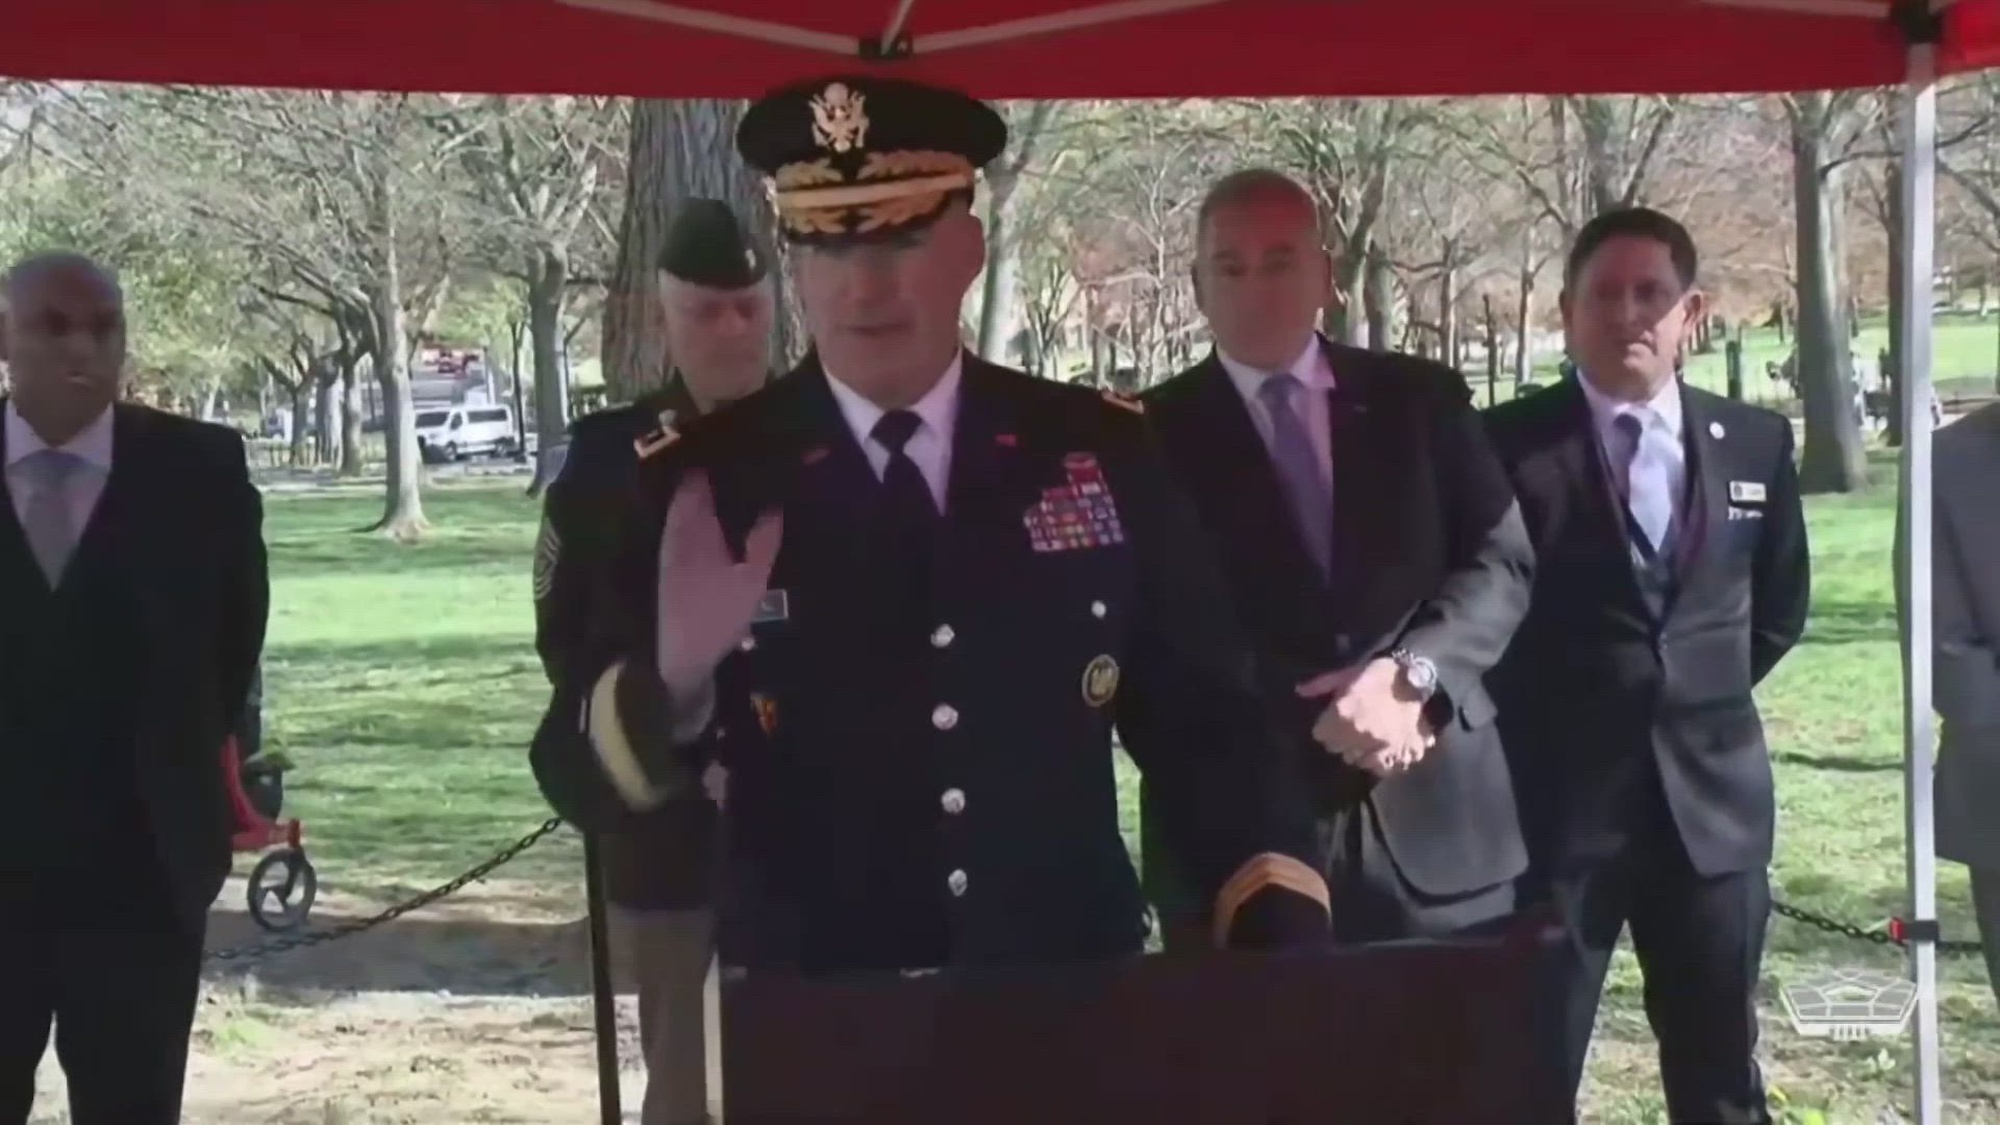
[[1965, 355], [403, 682]]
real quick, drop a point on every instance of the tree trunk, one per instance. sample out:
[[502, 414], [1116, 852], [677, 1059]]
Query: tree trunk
[[997, 316], [999, 308], [326, 417], [1448, 305], [1524, 315], [545, 307], [1378, 299], [1832, 459], [403, 504], [680, 148], [301, 400], [1346, 314], [352, 457]]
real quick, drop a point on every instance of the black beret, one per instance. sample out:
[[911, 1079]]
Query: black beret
[[707, 245], [860, 158]]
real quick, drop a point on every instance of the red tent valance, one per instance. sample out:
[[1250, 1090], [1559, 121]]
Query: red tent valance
[[995, 48]]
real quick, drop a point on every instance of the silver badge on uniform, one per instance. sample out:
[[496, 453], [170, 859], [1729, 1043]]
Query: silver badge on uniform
[[1746, 492]]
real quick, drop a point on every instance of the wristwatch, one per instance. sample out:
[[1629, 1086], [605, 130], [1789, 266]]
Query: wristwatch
[[1418, 672]]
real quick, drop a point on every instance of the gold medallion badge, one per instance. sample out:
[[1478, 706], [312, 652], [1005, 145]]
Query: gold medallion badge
[[1100, 680]]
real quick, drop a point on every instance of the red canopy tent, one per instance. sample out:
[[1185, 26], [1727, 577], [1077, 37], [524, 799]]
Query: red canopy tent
[[994, 48], [1129, 48]]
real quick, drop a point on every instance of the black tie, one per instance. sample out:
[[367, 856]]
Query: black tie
[[909, 515]]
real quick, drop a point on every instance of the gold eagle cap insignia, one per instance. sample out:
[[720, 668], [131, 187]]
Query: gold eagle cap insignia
[[1124, 402], [840, 118]]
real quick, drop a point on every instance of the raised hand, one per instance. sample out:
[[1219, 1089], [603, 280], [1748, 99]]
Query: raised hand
[[708, 596]]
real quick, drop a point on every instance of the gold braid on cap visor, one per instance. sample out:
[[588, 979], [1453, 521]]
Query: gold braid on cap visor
[[891, 188]]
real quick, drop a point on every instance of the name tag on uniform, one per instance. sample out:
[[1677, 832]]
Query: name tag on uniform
[[1746, 492], [774, 606], [1736, 513]]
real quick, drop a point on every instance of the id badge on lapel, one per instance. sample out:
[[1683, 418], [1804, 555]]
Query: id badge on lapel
[[1747, 499]]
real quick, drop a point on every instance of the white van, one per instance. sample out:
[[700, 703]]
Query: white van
[[454, 433]]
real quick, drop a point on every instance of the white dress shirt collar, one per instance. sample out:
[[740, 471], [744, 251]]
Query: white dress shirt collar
[[91, 445], [1661, 412], [938, 409], [1309, 368], [930, 447]]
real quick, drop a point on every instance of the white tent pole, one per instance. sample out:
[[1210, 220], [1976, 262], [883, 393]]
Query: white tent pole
[[898, 21], [1919, 136], [708, 19]]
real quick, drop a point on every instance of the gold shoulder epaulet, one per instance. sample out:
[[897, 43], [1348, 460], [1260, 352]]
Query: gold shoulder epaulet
[[1124, 402], [653, 443]]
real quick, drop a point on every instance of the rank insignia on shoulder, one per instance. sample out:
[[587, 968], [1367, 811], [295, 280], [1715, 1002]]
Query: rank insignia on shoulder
[[1124, 402], [653, 443]]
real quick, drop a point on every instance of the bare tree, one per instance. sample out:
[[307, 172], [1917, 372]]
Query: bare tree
[[534, 172], [1031, 128], [334, 191], [1822, 127]]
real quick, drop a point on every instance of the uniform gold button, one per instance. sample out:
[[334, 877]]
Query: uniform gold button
[[942, 636], [1098, 609], [957, 882], [944, 716], [953, 801]]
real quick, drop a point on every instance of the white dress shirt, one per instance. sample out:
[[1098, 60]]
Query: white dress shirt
[[91, 447], [929, 447], [1315, 377], [1660, 426]]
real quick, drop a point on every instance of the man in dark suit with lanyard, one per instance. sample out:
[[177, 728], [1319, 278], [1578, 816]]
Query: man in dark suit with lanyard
[[716, 299], [1673, 576], [1372, 542], [133, 598], [904, 596]]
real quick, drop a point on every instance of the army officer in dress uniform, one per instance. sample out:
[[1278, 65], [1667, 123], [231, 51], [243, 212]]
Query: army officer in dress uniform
[[716, 299], [904, 596]]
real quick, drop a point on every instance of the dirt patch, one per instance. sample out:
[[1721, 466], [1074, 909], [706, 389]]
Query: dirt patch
[[474, 1010]]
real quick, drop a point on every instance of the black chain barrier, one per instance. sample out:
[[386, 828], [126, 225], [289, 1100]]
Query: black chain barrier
[[1895, 933], [255, 950]]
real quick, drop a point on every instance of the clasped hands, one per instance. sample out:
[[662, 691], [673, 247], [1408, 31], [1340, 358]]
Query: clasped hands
[[1373, 719]]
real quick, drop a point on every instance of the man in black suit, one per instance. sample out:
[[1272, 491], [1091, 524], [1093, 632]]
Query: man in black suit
[[132, 608], [903, 596], [716, 300], [1673, 577], [1371, 540]]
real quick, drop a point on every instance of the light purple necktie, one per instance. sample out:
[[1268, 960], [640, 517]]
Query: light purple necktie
[[46, 519], [1298, 469]]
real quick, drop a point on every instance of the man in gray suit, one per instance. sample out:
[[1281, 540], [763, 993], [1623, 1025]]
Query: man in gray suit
[[1965, 605]]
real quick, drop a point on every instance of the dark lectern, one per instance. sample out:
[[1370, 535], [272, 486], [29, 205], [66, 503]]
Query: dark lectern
[[1414, 1034]]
